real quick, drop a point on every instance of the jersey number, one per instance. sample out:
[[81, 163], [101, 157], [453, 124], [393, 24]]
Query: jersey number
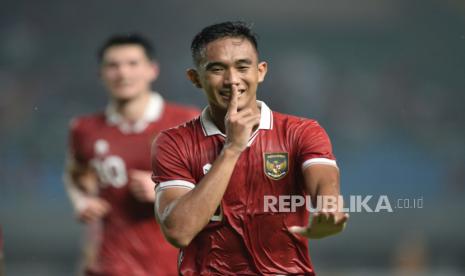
[[111, 171]]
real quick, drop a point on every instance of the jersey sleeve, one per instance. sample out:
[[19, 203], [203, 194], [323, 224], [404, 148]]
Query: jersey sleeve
[[169, 163], [314, 145]]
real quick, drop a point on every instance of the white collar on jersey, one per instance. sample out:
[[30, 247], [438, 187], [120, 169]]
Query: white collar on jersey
[[152, 113], [266, 122]]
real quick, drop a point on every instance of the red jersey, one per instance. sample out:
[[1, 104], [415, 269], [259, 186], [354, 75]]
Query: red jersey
[[243, 239], [131, 240]]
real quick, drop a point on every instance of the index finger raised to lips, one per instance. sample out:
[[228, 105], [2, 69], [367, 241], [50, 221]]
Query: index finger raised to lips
[[232, 107]]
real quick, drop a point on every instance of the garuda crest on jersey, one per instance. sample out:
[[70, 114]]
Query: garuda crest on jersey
[[276, 164]]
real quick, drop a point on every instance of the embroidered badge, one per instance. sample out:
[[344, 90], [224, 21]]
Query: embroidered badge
[[276, 164]]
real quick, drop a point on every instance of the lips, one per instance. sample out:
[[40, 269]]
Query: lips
[[227, 93], [123, 85]]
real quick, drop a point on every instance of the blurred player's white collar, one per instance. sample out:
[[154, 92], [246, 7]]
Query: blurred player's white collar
[[152, 113], [266, 122]]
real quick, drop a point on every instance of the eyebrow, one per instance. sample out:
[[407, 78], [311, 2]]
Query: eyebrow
[[112, 61], [245, 60], [213, 64]]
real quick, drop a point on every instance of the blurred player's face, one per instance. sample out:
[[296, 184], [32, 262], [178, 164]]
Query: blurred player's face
[[227, 62], [127, 72]]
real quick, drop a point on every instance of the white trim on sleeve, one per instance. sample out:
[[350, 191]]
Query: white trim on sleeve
[[320, 161], [174, 184]]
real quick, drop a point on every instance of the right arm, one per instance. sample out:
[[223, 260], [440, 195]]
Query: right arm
[[182, 213], [81, 186], [81, 181]]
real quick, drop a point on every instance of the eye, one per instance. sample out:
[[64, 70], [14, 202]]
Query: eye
[[243, 68], [133, 63], [110, 65], [216, 69]]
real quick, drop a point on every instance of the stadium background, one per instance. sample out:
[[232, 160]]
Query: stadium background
[[385, 78]]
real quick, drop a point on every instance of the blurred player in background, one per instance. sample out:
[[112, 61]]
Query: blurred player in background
[[213, 173], [108, 173]]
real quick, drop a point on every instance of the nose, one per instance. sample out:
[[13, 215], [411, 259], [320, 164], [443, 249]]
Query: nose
[[231, 77], [122, 70]]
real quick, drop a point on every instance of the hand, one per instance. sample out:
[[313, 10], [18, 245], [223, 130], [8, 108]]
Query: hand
[[95, 208], [141, 185], [238, 124], [321, 225], [88, 181]]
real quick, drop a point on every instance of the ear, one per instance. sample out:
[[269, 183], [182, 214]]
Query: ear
[[193, 76], [262, 69], [155, 71]]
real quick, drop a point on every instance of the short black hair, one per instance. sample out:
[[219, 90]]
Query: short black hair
[[221, 30], [127, 39]]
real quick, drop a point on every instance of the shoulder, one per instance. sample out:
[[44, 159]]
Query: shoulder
[[176, 143], [181, 110], [180, 134], [292, 122], [299, 130], [86, 122], [175, 114]]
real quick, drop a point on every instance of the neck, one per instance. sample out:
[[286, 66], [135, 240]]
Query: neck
[[217, 116], [132, 109]]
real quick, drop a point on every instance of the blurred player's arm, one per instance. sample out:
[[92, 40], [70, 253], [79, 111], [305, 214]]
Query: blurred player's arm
[[183, 213], [141, 185], [81, 186], [323, 180]]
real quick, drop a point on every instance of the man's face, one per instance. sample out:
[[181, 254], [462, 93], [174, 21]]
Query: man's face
[[227, 62], [127, 72]]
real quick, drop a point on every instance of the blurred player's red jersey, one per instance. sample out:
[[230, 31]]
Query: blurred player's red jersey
[[131, 240], [243, 239]]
